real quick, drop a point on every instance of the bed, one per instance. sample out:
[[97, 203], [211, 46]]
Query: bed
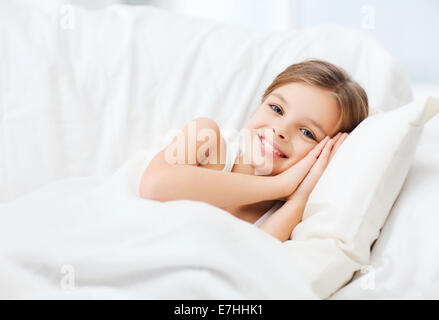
[[87, 97]]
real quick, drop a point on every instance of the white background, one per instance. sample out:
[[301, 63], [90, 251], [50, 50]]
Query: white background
[[406, 28]]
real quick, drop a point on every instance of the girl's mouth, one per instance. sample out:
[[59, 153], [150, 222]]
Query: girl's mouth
[[267, 148]]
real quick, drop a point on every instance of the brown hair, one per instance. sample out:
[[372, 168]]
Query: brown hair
[[351, 97]]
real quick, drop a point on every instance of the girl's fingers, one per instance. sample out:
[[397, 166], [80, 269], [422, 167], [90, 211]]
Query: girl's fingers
[[322, 151], [307, 162], [315, 152], [341, 139], [321, 144], [323, 159], [299, 170], [327, 149], [326, 152], [338, 137], [317, 169]]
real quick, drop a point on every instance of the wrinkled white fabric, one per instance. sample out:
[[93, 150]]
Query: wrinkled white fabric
[[117, 245], [83, 90]]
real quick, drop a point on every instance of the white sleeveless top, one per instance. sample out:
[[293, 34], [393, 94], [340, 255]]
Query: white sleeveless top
[[232, 153]]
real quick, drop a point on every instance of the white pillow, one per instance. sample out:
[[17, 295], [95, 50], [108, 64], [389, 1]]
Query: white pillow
[[349, 205]]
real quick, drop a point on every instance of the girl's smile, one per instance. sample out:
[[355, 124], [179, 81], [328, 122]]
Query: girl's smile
[[270, 148]]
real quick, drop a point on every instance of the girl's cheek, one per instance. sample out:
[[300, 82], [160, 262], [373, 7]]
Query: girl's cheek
[[287, 165]]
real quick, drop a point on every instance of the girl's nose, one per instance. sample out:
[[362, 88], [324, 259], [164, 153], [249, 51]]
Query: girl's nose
[[281, 134]]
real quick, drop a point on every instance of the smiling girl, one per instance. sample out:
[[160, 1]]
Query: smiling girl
[[305, 115]]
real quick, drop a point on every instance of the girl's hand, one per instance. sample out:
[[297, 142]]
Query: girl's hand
[[291, 178], [309, 182], [338, 143]]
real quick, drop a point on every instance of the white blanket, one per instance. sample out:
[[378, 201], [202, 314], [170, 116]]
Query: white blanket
[[95, 238]]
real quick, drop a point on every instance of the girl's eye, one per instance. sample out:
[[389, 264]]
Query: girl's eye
[[276, 108], [308, 134]]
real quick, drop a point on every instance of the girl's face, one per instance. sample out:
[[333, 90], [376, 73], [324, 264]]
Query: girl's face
[[296, 117]]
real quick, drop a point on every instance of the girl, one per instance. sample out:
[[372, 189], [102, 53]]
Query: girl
[[304, 116]]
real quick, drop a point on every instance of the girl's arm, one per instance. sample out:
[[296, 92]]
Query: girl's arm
[[221, 189], [163, 181], [282, 222]]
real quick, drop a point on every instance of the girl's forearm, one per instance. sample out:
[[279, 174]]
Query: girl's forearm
[[221, 189], [283, 221]]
